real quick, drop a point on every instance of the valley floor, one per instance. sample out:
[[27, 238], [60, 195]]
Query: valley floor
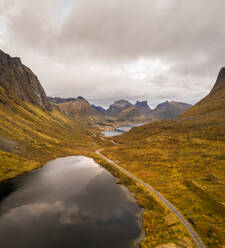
[[187, 170]]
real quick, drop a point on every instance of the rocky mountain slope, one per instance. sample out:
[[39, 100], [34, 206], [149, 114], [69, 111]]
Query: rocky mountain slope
[[80, 109], [18, 80], [33, 131]]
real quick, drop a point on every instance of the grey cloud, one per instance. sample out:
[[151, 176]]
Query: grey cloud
[[186, 36]]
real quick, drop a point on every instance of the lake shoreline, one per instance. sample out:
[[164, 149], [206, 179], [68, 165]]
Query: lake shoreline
[[120, 129], [155, 213], [110, 202]]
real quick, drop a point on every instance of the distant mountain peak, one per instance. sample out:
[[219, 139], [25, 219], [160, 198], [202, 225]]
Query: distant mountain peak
[[123, 110], [122, 101], [143, 107], [141, 103], [81, 98], [169, 110], [58, 100], [118, 106]]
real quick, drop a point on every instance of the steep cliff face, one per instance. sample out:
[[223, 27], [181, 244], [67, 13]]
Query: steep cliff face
[[20, 81]]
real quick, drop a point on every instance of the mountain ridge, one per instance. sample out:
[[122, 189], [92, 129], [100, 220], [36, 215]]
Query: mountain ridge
[[169, 110], [123, 110], [19, 80], [80, 109]]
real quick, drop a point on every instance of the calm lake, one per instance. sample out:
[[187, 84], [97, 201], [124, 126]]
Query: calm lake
[[121, 129], [71, 202]]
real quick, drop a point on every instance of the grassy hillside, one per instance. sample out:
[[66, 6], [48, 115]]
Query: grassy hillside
[[80, 109], [30, 136], [32, 131], [185, 160]]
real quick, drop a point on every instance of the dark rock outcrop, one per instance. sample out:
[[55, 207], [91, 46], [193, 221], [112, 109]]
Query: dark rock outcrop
[[20, 81], [143, 107]]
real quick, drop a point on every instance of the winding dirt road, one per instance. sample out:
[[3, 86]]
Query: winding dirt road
[[168, 204]]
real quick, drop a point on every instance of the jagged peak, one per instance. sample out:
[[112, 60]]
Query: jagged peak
[[143, 103], [143, 107], [21, 81], [220, 78]]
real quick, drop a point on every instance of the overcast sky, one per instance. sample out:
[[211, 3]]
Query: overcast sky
[[106, 50]]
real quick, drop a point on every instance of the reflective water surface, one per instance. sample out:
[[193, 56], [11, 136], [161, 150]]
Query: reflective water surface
[[70, 202], [121, 129]]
